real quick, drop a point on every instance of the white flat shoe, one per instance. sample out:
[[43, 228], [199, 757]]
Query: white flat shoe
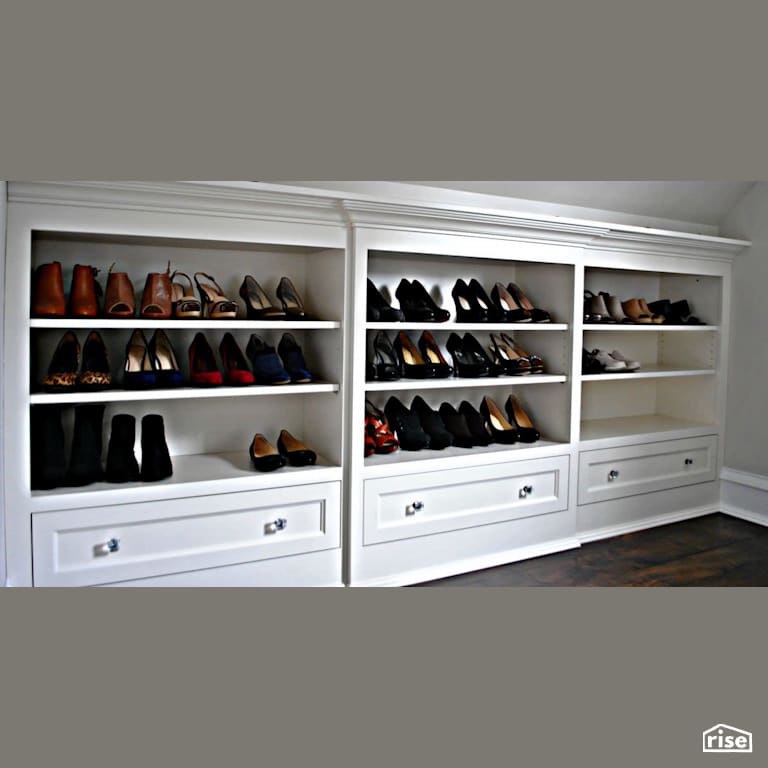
[[632, 365], [610, 364]]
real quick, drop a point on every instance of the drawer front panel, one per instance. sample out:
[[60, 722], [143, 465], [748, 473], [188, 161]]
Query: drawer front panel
[[613, 473], [98, 546], [435, 502]]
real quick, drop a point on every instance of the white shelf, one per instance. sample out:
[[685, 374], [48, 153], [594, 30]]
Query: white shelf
[[180, 393], [652, 426], [648, 327], [509, 327], [227, 325], [193, 475], [463, 383], [408, 462], [650, 372]]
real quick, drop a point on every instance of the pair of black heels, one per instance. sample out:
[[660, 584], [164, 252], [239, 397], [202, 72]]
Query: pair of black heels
[[416, 305], [259, 306], [266, 458], [505, 304], [470, 360], [390, 362]]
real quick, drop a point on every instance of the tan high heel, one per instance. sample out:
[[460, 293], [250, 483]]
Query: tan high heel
[[634, 309], [183, 300], [654, 317], [216, 305]]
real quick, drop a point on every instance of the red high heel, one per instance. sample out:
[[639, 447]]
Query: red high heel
[[377, 431]]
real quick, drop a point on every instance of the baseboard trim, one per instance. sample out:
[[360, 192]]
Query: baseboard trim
[[596, 534], [457, 567], [750, 479], [745, 514], [744, 495]]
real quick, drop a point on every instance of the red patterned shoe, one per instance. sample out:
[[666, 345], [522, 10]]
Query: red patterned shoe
[[377, 429]]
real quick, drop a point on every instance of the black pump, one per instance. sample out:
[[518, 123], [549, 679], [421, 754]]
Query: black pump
[[407, 426], [385, 360], [476, 424], [432, 424], [473, 304], [465, 362], [417, 304], [379, 310]]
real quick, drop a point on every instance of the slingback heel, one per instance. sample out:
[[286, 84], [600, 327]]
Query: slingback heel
[[216, 305], [184, 303]]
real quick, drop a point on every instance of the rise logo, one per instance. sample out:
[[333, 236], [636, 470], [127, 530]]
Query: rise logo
[[726, 738]]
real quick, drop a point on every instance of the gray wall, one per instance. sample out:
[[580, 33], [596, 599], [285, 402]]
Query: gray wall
[[746, 434]]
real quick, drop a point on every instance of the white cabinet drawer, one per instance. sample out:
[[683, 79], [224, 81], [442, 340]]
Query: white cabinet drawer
[[405, 506], [616, 472], [72, 547]]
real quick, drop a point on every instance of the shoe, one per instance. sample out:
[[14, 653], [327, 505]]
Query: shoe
[[155, 460], [497, 424], [167, 370], [122, 466], [647, 310], [432, 424], [385, 362], [294, 451], [595, 309], [505, 302], [48, 461], [85, 458], [412, 364], [476, 351], [215, 304], [257, 304], [289, 297], [94, 373], [507, 360], [406, 425], [613, 305], [465, 363], [184, 303], [378, 309], [266, 365], [293, 359], [537, 315], [457, 425], [139, 367], [537, 364], [434, 357], [476, 424], [203, 370], [636, 313], [83, 301], [609, 364], [518, 418], [417, 304], [378, 431], [264, 456], [119, 297], [48, 291], [589, 364], [236, 370], [631, 365], [62, 371], [473, 304], [156, 298], [678, 313]]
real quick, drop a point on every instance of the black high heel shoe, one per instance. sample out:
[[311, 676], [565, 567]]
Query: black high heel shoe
[[500, 428], [257, 304], [385, 361], [289, 297], [537, 315], [378, 310], [476, 424], [295, 452], [215, 304], [434, 357], [407, 426], [509, 308], [537, 364], [475, 349], [264, 456], [412, 364], [466, 364], [457, 425], [526, 432], [473, 304], [432, 424], [62, 372], [507, 359], [94, 374], [417, 304]]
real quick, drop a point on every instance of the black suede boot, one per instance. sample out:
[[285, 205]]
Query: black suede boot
[[122, 466], [155, 459], [85, 459], [48, 460]]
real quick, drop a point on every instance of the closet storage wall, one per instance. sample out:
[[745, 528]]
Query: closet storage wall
[[617, 452]]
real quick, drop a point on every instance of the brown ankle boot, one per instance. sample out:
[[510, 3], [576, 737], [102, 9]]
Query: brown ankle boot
[[82, 295], [48, 291], [120, 298], [156, 299]]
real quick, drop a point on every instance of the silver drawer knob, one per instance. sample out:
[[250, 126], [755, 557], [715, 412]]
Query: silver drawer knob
[[688, 462], [613, 474], [525, 490], [113, 545], [277, 525], [415, 507]]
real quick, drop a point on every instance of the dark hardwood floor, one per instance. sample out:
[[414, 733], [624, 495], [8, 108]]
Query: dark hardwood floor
[[712, 551]]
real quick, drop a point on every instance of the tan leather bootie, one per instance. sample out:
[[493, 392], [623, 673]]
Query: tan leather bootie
[[48, 291]]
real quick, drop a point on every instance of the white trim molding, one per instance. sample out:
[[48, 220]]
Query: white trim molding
[[744, 495]]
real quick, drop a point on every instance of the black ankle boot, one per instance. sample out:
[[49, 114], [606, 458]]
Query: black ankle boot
[[155, 459], [49, 462], [122, 466], [85, 458]]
